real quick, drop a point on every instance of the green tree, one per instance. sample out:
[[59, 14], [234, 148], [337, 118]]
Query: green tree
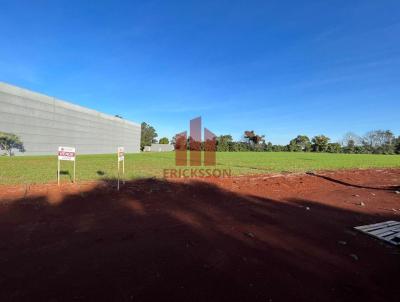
[[320, 143], [164, 140], [379, 141], [240, 146], [279, 148], [268, 147], [148, 135], [334, 148], [300, 143], [9, 142], [397, 145], [224, 142], [389, 142], [293, 147]]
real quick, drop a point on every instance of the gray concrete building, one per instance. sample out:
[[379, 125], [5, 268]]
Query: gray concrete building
[[44, 123]]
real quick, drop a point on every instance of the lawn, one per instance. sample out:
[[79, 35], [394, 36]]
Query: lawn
[[43, 169]]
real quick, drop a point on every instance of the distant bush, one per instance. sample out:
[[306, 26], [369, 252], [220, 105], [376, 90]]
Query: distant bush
[[373, 142], [164, 141], [9, 142]]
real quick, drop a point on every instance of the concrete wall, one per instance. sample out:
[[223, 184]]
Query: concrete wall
[[45, 123], [161, 148]]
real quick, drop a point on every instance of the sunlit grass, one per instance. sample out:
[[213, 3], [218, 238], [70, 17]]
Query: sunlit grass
[[43, 169]]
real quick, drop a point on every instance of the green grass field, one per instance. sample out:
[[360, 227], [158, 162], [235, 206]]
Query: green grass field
[[43, 169]]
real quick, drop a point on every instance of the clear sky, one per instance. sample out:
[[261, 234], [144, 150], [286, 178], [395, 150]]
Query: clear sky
[[280, 68]]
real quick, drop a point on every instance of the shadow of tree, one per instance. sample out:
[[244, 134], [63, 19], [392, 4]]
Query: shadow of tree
[[158, 240], [390, 188]]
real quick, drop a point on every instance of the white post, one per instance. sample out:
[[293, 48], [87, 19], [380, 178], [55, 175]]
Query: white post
[[118, 174], [123, 170], [58, 172], [74, 168]]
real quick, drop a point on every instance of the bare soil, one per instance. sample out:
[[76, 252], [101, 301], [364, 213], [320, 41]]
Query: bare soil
[[262, 238]]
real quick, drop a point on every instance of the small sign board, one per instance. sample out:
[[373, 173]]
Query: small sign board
[[121, 154], [65, 153]]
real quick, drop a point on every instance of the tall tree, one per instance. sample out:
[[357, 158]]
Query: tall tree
[[148, 136], [379, 141], [300, 143], [9, 142], [397, 145], [320, 143], [254, 141]]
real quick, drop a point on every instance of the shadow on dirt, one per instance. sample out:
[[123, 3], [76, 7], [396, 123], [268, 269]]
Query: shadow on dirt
[[157, 240], [390, 188]]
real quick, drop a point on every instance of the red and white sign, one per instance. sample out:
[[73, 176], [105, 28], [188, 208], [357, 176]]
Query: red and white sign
[[66, 153], [121, 153]]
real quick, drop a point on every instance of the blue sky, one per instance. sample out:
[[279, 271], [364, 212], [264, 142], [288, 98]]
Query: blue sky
[[280, 68]]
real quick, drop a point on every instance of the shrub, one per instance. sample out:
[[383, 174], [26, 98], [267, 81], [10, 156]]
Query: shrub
[[9, 141]]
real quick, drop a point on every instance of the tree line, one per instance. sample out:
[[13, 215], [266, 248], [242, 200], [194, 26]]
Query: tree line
[[372, 142]]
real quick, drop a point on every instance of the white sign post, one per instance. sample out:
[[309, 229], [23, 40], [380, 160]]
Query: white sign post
[[121, 158], [65, 153]]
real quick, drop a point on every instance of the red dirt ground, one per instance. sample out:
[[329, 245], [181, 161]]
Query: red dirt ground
[[261, 238]]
